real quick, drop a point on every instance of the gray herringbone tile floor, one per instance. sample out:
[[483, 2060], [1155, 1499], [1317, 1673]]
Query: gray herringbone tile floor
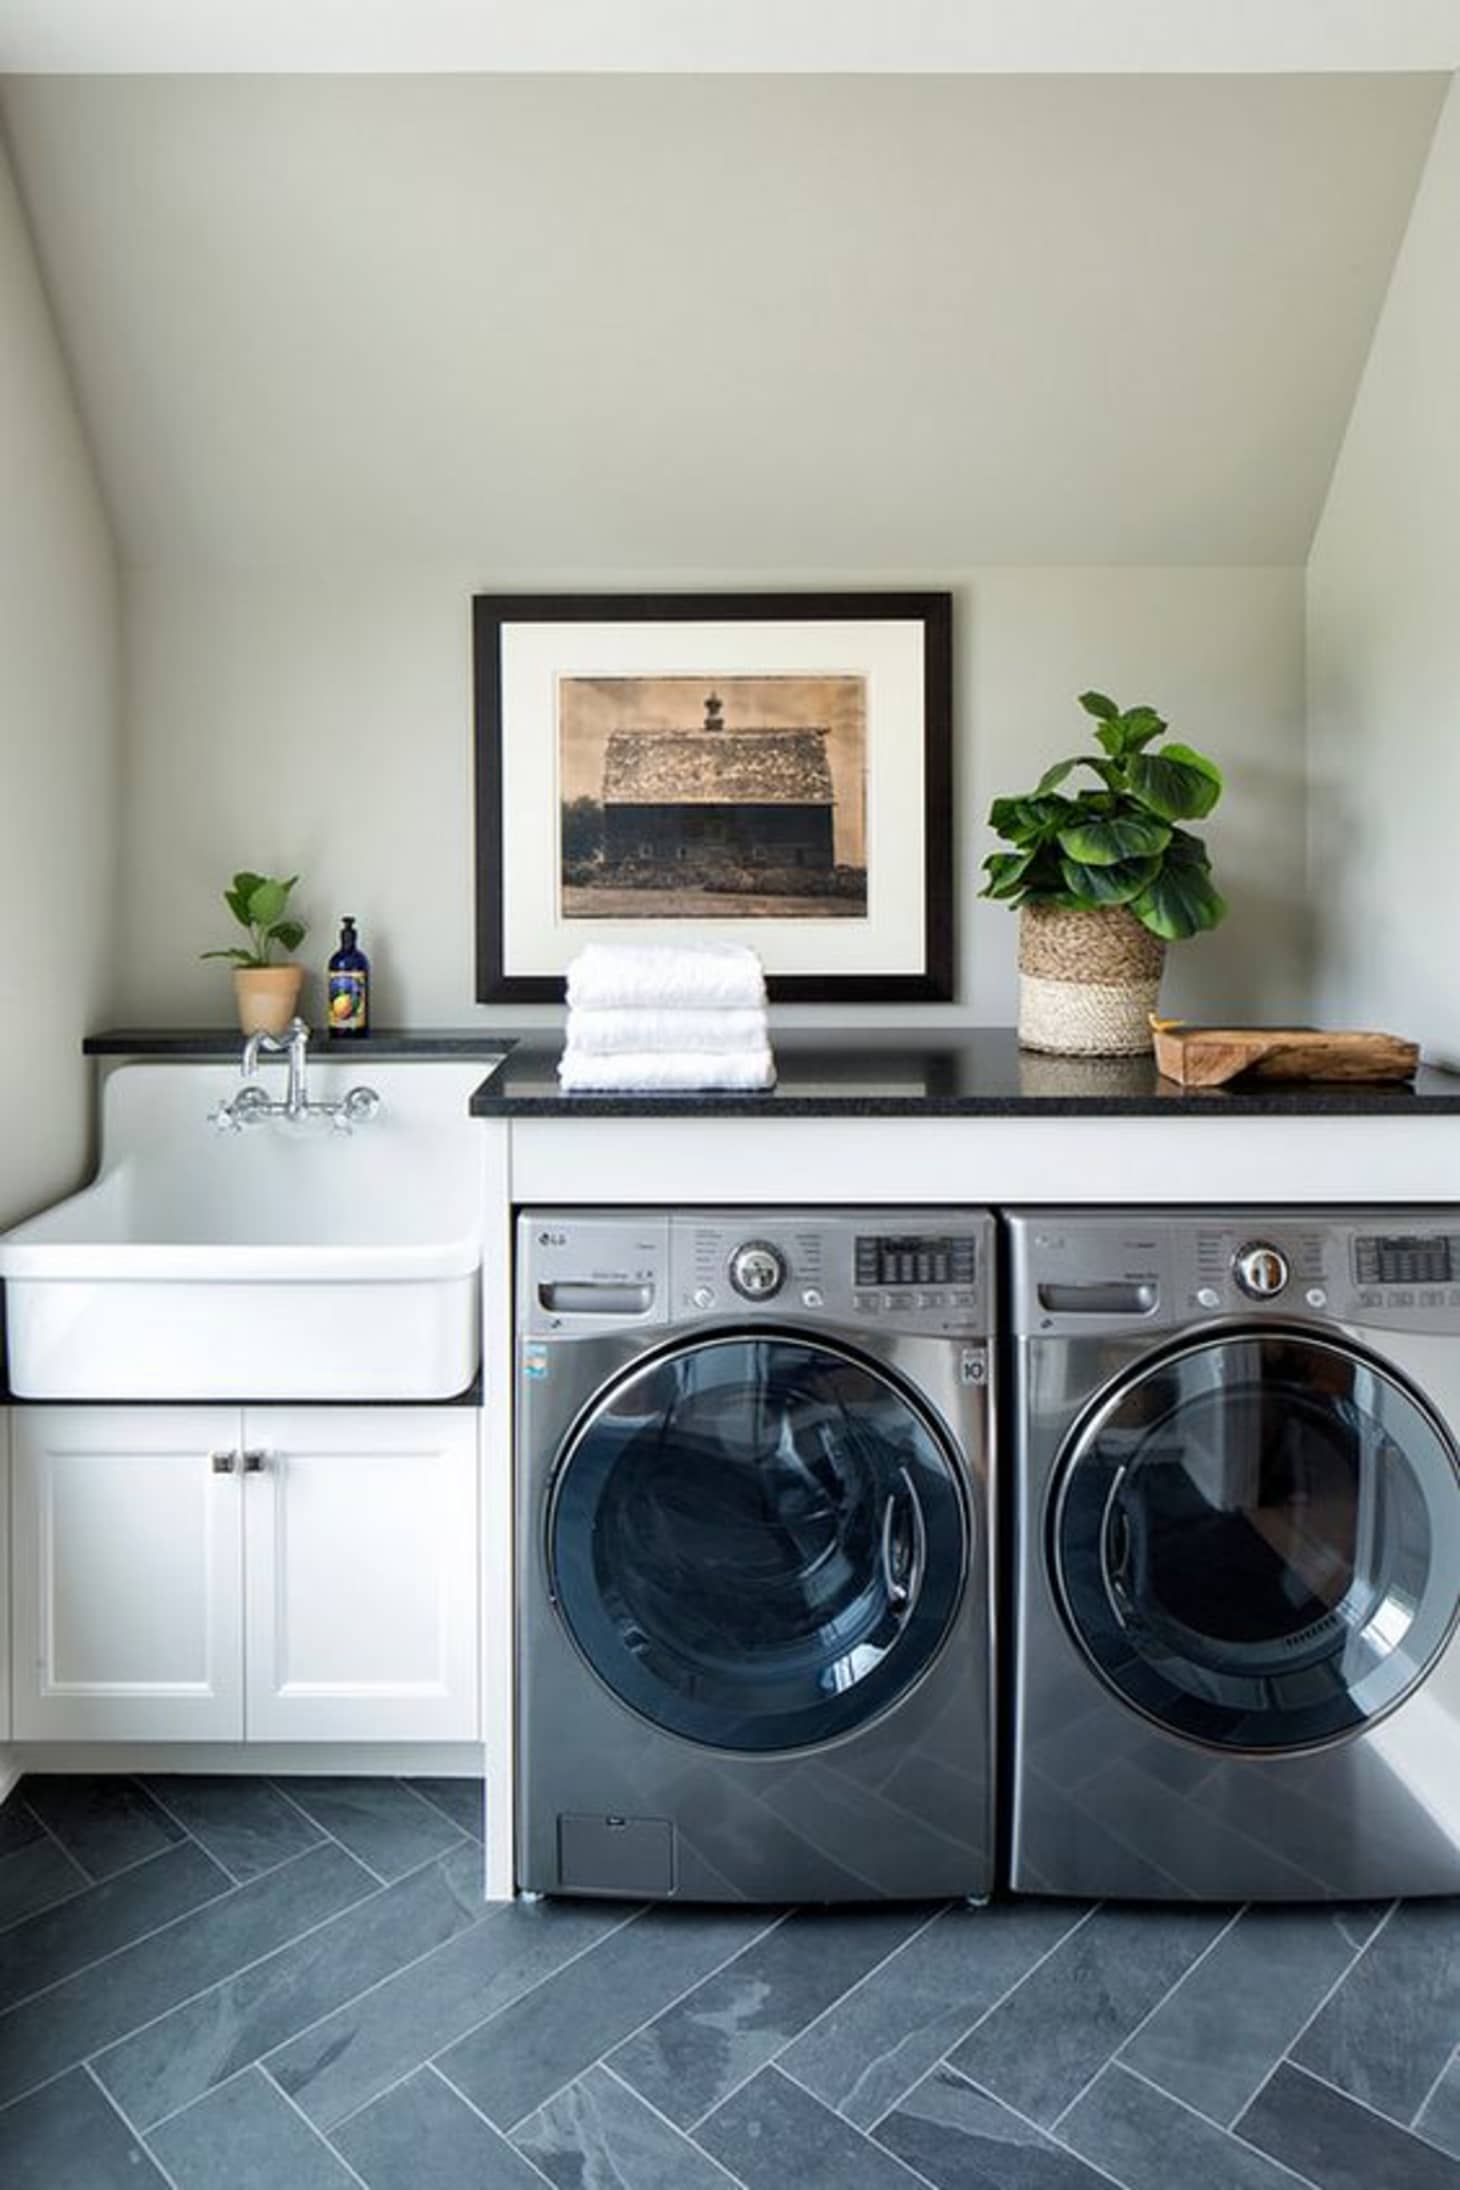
[[222, 1983]]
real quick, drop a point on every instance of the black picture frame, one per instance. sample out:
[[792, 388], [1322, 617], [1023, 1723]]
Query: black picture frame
[[491, 612]]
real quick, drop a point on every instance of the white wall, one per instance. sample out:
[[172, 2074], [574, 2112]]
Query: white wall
[[1384, 652], [58, 744], [322, 722]]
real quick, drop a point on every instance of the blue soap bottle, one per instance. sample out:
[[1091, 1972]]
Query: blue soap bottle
[[349, 985]]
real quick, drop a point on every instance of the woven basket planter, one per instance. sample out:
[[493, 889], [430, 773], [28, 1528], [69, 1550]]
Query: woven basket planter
[[1088, 981]]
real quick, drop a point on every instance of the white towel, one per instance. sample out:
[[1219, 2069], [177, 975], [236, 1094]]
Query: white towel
[[602, 1033], [652, 1071], [630, 976]]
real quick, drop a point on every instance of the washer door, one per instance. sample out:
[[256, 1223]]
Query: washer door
[[758, 1542], [1256, 1539]]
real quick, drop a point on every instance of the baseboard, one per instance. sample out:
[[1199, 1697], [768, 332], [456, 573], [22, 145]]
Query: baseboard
[[395, 1760]]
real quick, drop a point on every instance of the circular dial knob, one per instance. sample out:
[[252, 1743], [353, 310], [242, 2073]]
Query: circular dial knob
[[1260, 1269], [757, 1270]]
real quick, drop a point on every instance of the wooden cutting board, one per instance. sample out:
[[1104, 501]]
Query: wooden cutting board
[[1210, 1056]]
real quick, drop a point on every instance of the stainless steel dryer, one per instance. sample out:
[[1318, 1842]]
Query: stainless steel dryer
[[1237, 1553], [754, 1619]]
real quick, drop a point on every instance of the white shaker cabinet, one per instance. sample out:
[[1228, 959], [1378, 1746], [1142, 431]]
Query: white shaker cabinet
[[127, 1574], [226, 1574], [361, 1562], [4, 1574]]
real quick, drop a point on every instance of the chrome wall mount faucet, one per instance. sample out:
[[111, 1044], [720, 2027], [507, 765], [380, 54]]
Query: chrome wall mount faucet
[[252, 1105]]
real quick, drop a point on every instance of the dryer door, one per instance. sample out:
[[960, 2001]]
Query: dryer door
[[1256, 1539], [757, 1542]]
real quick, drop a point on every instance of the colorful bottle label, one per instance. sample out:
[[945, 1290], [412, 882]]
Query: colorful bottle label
[[347, 1003]]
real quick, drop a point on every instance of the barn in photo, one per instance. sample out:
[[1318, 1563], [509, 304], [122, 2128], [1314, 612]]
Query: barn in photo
[[758, 798]]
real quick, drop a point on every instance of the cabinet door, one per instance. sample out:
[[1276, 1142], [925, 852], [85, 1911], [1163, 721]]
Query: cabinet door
[[127, 1565], [361, 1559]]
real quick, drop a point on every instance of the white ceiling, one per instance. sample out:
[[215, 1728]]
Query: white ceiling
[[1015, 36], [657, 322]]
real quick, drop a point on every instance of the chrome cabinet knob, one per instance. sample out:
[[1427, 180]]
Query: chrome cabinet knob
[[223, 1463], [757, 1270], [255, 1461], [1261, 1269]]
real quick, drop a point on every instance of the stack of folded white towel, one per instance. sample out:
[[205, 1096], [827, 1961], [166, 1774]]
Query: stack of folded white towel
[[666, 1016]]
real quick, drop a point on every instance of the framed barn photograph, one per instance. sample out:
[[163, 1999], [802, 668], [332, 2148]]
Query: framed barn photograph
[[770, 767]]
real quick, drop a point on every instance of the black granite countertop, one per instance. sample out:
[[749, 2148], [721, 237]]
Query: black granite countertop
[[951, 1072], [387, 1042]]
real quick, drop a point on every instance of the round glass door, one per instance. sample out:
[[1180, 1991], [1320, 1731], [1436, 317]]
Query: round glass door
[[1256, 1539], [757, 1542]]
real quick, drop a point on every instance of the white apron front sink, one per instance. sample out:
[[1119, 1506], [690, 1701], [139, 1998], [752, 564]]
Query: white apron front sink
[[289, 1261]]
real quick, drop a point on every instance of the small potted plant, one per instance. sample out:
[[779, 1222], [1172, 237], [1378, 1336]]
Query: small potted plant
[[1104, 879], [267, 992]]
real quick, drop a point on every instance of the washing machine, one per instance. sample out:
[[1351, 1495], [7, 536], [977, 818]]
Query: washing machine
[[755, 1630], [1237, 1553]]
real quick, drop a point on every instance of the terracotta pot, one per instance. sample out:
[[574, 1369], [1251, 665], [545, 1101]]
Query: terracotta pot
[[268, 997], [1088, 981]]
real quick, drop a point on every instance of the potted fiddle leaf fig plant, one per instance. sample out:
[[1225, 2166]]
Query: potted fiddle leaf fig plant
[[1104, 878], [267, 992]]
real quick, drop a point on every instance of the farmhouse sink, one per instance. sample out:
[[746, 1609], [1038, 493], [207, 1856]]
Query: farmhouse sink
[[287, 1261]]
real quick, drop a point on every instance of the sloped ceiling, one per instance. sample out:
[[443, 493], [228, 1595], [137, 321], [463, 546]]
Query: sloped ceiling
[[624, 322]]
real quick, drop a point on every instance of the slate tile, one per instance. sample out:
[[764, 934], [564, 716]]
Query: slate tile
[[1337, 2144], [100, 1919], [245, 2136], [245, 1824], [99, 2005], [1390, 2028], [694, 2054], [378, 1820], [207, 2040], [463, 1800], [106, 1824], [873, 2045], [67, 2138], [1149, 2142], [1042, 2045], [961, 2139], [508, 2067], [1278, 1963], [1439, 2118], [356, 2053], [598, 2131], [35, 1876], [18, 1825], [771, 2133], [422, 2136]]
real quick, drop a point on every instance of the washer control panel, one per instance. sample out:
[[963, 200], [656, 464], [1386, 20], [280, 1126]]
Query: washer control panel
[[925, 1275]]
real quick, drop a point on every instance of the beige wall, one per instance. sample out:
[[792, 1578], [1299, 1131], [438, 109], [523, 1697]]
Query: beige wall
[[323, 723], [58, 744], [1384, 651]]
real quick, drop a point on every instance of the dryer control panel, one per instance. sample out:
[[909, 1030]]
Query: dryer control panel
[[1087, 1270]]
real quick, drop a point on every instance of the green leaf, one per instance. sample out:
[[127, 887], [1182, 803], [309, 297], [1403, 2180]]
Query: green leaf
[[1029, 820], [1186, 850], [288, 934], [1095, 703], [267, 902], [237, 958], [1104, 843], [1115, 885], [1141, 725], [1180, 901], [1176, 783], [1055, 776], [1006, 872]]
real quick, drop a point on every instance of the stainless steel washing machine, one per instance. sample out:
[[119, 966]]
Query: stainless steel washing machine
[[754, 1619], [1237, 1524]]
